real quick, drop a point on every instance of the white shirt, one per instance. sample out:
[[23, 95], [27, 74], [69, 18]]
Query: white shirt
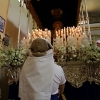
[[58, 78]]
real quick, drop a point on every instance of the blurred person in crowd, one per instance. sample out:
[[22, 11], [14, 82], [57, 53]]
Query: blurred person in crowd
[[98, 43]]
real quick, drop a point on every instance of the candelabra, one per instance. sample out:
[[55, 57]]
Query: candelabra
[[84, 18]]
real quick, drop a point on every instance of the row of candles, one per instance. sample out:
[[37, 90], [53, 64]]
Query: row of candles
[[70, 36], [36, 33], [46, 34]]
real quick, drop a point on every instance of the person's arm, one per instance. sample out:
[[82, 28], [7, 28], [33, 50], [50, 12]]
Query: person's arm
[[61, 88]]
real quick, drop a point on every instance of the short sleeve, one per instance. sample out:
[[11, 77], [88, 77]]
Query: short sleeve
[[63, 80]]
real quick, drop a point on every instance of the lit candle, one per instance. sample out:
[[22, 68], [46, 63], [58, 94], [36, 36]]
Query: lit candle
[[61, 37], [64, 39]]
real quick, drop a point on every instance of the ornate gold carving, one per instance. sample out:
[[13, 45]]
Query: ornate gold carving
[[57, 13], [77, 72], [57, 25], [94, 74]]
